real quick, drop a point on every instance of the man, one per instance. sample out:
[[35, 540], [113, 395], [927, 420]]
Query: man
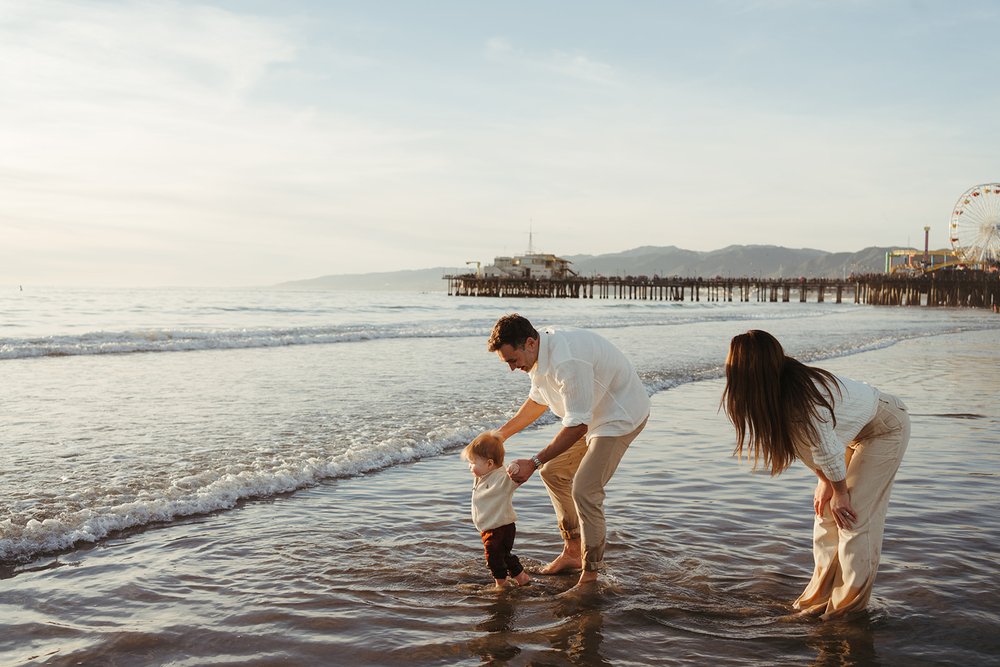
[[592, 387]]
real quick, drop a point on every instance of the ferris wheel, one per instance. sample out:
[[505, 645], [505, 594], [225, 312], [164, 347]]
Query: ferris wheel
[[975, 224]]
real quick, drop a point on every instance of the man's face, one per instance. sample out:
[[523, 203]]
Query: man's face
[[520, 358]]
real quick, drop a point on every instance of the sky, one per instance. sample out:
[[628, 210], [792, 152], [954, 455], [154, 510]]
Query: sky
[[246, 143]]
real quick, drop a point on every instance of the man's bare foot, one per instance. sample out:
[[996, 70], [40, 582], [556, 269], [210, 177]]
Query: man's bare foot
[[563, 562], [587, 577]]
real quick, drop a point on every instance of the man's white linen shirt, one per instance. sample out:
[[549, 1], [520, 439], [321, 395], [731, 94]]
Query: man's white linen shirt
[[854, 407], [584, 379]]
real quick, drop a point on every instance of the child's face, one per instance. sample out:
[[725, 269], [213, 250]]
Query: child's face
[[480, 466]]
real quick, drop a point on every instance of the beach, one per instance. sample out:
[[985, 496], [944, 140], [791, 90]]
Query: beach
[[379, 563]]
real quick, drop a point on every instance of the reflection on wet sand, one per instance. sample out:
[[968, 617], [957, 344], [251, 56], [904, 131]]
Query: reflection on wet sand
[[848, 642], [571, 630]]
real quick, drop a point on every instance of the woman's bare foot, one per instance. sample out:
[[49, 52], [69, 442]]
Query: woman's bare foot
[[587, 577]]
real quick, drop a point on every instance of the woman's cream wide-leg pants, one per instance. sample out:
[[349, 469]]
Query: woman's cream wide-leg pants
[[847, 559]]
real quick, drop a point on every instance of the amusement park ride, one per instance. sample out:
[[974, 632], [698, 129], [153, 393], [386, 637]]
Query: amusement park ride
[[974, 231]]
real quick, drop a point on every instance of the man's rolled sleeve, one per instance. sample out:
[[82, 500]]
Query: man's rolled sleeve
[[535, 394], [576, 386]]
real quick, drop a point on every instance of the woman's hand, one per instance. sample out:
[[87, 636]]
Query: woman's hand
[[822, 495], [840, 507]]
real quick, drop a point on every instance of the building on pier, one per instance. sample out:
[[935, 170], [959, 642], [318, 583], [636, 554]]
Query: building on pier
[[531, 266]]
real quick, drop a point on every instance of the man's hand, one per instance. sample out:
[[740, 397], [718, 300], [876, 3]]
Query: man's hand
[[520, 470]]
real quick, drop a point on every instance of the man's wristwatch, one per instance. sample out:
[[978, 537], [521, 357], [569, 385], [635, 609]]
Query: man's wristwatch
[[535, 461]]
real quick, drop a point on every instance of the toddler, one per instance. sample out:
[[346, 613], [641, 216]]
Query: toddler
[[493, 508]]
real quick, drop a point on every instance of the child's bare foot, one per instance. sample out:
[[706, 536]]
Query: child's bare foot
[[522, 579]]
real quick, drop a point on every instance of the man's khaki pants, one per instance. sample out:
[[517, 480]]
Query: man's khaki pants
[[575, 481]]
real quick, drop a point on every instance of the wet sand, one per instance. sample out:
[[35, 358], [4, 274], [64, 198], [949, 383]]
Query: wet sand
[[704, 557]]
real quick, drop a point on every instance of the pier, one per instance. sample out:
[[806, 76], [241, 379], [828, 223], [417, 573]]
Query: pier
[[970, 289]]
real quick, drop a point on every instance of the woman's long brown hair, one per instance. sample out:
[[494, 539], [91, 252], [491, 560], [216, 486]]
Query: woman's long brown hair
[[772, 399]]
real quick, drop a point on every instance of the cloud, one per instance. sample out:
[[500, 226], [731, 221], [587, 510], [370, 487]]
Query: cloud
[[149, 128], [133, 98], [578, 65], [134, 52]]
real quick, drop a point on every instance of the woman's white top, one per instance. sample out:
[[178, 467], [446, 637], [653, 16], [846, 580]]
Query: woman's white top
[[854, 407]]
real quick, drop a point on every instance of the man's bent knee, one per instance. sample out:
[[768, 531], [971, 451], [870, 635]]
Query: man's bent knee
[[548, 476], [588, 496]]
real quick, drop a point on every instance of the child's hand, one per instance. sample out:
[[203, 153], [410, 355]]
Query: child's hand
[[518, 473]]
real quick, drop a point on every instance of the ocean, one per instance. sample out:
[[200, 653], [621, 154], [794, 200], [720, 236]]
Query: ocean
[[235, 476]]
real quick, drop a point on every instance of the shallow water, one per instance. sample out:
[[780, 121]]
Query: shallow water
[[343, 566], [124, 408]]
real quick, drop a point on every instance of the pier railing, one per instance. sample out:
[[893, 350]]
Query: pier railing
[[973, 289]]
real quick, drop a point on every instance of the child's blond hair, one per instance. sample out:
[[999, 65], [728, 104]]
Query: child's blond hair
[[487, 446]]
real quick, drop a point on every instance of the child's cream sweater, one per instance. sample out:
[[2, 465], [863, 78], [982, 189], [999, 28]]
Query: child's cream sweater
[[492, 500]]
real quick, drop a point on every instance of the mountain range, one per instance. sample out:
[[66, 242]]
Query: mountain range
[[736, 260]]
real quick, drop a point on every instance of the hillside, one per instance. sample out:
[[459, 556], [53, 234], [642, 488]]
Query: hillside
[[754, 260], [417, 280]]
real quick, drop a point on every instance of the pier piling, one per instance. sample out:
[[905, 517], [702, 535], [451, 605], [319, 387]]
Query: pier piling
[[972, 289]]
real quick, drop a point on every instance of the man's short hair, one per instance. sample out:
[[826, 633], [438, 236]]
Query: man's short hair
[[511, 330]]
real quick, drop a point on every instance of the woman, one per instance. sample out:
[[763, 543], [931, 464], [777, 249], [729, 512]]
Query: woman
[[850, 434]]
